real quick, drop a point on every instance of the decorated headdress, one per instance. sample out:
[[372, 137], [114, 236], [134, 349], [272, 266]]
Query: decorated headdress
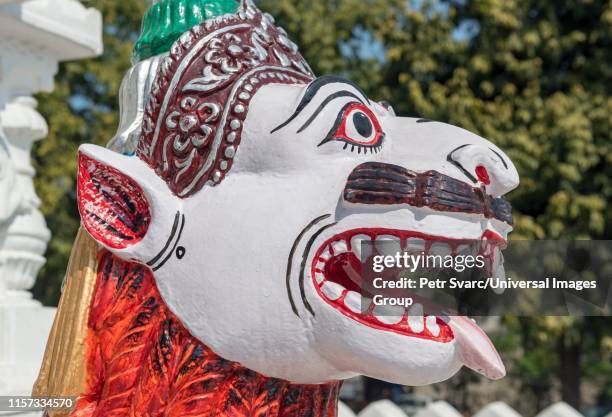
[[195, 112]]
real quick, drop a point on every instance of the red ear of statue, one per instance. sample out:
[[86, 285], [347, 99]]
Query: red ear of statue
[[113, 206]]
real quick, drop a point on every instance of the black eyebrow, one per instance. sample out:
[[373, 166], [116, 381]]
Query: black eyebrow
[[500, 157], [450, 159], [311, 92], [325, 102]]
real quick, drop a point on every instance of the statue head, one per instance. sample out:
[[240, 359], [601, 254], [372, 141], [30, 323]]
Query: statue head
[[252, 185]]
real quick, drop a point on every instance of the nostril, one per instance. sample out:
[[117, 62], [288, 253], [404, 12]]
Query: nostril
[[485, 167], [483, 175]]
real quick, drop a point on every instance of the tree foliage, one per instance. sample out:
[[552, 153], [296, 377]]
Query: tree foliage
[[533, 76]]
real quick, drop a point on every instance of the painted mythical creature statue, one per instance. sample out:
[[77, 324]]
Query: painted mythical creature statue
[[229, 211]]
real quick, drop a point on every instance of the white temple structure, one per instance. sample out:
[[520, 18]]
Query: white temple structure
[[34, 36]]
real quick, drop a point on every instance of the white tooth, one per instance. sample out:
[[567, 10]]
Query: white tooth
[[320, 265], [353, 301], [325, 255], [440, 248], [499, 271], [415, 318], [319, 277], [414, 244], [388, 245], [432, 325], [358, 248], [332, 290], [339, 247], [389, 314]]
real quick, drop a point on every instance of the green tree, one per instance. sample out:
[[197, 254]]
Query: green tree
[[544, 350]]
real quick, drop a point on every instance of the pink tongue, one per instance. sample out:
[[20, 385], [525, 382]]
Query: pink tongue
[[475, 348]]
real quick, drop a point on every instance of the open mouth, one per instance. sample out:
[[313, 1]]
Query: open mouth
[[336, 274]]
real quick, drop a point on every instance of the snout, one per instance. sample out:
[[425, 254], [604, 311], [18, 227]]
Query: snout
[[403, 332], [486, 166], [423, 145]]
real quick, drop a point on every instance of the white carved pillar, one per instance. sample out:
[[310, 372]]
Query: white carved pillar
[[26, 237], [34, 36]]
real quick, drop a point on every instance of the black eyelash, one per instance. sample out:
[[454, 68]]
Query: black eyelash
[[373, 149]]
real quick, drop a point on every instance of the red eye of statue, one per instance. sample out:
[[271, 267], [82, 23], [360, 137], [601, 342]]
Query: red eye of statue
[[359, 127]]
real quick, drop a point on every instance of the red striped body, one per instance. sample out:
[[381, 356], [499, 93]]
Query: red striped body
[[142, 362]]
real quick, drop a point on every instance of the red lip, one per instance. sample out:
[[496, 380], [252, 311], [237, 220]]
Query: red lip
[[336, 275]]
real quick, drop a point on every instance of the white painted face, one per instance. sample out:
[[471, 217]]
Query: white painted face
[[248, 265]]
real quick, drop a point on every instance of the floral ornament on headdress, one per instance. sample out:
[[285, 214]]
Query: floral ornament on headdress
[[194, 117]]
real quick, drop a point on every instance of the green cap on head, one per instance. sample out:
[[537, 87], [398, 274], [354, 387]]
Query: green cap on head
[[166, 20]]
